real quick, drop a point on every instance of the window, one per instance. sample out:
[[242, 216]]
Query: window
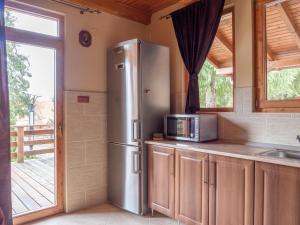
[[216, 78], [32, 22], [278, 55]]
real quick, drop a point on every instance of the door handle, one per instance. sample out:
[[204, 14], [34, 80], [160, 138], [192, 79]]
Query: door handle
[[60, 130], [135, 125], [136, 162]]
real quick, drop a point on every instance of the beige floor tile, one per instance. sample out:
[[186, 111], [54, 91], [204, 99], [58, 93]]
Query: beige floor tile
[[105, 215]]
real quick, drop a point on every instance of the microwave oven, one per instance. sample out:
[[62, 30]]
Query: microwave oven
[[196, 127]]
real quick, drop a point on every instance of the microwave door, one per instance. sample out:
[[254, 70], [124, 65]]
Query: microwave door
[[185, 128], [177, 128], [171, 127]]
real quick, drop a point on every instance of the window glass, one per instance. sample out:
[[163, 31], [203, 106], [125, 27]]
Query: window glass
[[283, 50], [216, 75], [216, 89], [30, 22]]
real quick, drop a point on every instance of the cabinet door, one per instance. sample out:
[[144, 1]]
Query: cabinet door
[[191, 187], [277, 195], [161, 179], [231, 191]]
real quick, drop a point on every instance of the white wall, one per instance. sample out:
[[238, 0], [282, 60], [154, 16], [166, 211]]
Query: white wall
[[161, 31], [243, 125], [85, 124], [85, 68]]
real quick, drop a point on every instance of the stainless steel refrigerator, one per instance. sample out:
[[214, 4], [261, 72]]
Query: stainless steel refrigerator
[[138, 79]]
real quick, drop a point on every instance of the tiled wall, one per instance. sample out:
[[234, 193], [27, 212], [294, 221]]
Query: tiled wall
[[85, 150], [269, 128]]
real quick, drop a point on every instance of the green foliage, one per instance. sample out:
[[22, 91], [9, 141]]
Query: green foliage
[[9, 19], [18, 73], [216, 91], [283, 84]]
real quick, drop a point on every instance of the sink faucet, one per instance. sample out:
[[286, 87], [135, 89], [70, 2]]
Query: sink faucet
[[298, 138]]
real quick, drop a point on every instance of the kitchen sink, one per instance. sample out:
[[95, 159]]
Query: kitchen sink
[[283, 154]]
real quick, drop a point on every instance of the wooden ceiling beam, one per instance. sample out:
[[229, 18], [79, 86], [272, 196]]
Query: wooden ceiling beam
[[213, 61], [161, 5], [226, 71], [288, 54], [285, 15], [270, 54], [283, 64], [116, 8], [226, 63], [222, 40]]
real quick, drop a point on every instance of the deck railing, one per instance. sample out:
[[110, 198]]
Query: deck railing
[[37, 135]]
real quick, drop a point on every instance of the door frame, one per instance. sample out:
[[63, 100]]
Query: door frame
[[57, 43]]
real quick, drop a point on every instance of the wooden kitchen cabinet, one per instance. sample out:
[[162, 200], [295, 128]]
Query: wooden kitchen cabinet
[[201, 189], [191, 187], [161, 179], [231, 191], [277, 195]]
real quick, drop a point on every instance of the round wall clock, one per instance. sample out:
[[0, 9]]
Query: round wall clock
[[85, 38]]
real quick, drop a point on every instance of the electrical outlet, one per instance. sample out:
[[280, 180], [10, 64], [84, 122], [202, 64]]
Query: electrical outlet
[[298, 138]]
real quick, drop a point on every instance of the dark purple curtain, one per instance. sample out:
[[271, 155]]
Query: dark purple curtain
[[5, 182], [195, 27]]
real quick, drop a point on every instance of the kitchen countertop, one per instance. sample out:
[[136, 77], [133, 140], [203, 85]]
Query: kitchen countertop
[[222, 148]]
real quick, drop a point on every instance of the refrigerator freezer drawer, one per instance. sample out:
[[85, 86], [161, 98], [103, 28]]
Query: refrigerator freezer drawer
[[124, 177]]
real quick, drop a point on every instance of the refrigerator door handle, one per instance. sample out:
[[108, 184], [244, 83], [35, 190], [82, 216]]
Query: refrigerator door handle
[[135, 137], [136, 165]]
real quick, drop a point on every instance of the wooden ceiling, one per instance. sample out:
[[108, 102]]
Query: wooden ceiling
[[283, 34], [137, 10], [221, 52]]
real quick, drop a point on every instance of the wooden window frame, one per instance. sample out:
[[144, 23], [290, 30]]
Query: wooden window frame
[[57, 43], [229, 109], [262, 104]]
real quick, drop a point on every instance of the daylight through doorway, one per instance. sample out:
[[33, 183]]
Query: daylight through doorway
[[31, 73]]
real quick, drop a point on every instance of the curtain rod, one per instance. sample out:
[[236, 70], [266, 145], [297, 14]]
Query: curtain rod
[[77, 6]]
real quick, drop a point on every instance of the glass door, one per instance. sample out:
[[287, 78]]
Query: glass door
[[32, 119], [34, 53]]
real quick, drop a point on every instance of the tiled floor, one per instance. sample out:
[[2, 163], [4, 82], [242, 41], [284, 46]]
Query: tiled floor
[[105, 215]]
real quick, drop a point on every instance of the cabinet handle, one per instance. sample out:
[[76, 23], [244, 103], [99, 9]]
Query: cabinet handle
[[172, 164], [205, 175], [212, 173]]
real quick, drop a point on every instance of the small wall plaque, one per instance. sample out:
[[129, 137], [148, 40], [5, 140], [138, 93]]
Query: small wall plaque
[[85, 38], [83, 99]]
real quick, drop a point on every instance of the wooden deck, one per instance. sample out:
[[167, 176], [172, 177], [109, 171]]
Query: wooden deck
[[33, 184]]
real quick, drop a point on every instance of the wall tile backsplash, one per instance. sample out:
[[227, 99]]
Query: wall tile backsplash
[[85, 150], [86, 137], [269, 128]]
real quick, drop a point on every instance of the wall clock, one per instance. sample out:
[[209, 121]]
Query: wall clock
[[85, 38]]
